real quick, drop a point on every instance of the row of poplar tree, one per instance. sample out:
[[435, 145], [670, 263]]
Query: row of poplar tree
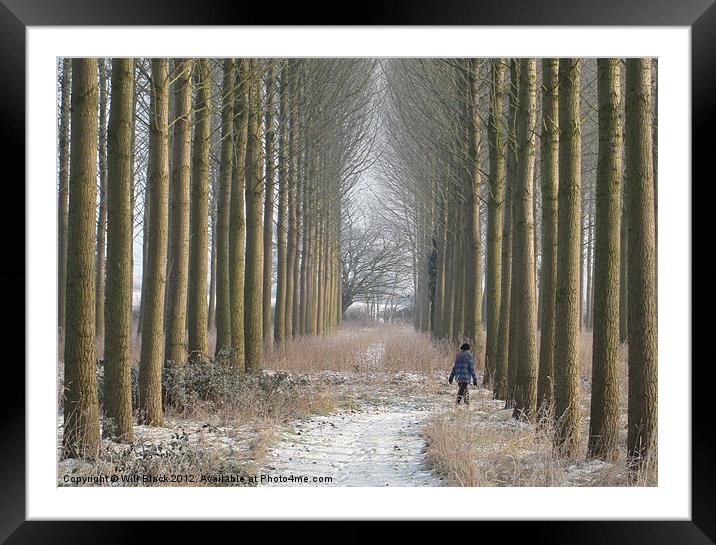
[[464, 132], [286, 140]]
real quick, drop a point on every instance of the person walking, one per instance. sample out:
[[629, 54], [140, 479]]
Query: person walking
[[463, 371]]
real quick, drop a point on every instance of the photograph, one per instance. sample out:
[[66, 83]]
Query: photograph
[[356, 271]]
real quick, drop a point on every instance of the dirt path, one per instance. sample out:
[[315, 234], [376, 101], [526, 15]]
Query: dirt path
[[377, 445]]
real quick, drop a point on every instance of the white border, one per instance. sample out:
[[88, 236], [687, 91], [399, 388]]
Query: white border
[[670, 500]]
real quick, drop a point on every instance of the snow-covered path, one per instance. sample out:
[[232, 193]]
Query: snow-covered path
[[378, 445]]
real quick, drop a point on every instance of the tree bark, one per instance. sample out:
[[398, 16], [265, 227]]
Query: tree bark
[[513, 173], [526, 376], [503, 331], [550, 174], [280, 307], [102, 216], [473, 270], [237, 233], [197, 312], [299, 305], [253, 283], [210, 322], [440, 291], [624, 269], [269, 202], [604, 413], [589, 279], [495, 211], [291, 189], [223, 310], [63, 192], [569, 228], [81, 406], [152, 357], [642, 411], [118, 307], [176, 340]]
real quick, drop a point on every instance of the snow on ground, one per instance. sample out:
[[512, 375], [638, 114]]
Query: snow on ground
[[175, 438], [373, 446], [375, 439], [378, 443]]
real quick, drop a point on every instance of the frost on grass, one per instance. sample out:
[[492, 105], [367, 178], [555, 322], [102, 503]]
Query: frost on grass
[[484, 446], [182, 447], [368, 407]]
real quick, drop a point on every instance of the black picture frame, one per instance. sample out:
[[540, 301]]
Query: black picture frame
[[700, 15]]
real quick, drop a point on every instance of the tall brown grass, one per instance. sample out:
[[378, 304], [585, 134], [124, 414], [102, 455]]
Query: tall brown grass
[[364, 349], [484, 446]]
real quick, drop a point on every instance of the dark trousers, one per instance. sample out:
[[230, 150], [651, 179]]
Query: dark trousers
[[463, 393]]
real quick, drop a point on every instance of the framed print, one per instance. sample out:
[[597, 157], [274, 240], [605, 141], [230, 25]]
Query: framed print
[[432, 266]]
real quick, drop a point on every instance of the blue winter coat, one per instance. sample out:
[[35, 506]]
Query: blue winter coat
[[464, 368]]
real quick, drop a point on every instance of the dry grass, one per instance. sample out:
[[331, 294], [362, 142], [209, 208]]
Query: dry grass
[[406, 350], [219, 422], [485, 446], [365, 349], [176, 461], [482, 446]]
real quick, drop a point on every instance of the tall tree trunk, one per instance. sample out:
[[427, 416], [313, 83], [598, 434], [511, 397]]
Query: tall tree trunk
[[550, 173], [145, 245], [253, 286], [223, 310], [473, 271], [210, 323], [237, 233], [63, 192], [102, 216], [495, 206], [152, 357], [459, 260], [423, 229], [280, 307], [197, 312], [313, 255], [450, 278], [590, 274], [176, 341], [655, 165], [118, 307], [81, 407], [299, 266], [604, 413], [292, 242], [526, 376], [441, 269], [305, 247], [624, 268], [503, 328], [513, 172], [569, 228], [642, 412], [269, 201], [133, 203], [582, 257]]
